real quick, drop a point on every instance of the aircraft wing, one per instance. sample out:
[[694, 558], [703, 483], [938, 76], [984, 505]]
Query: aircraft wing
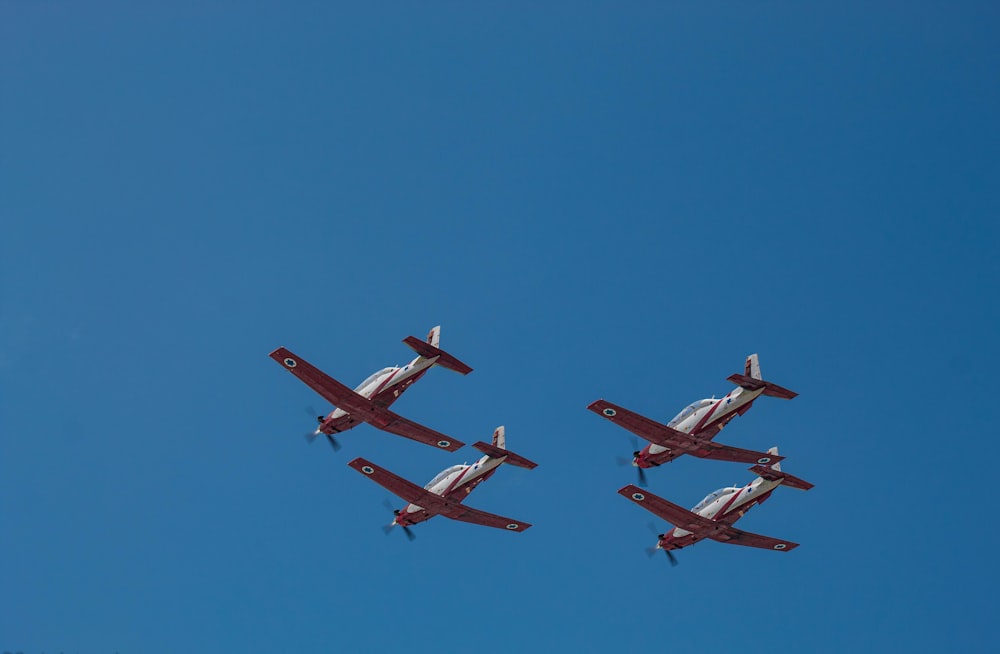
[[397, 424], [642, 426], [736, 536], [332, 390], [675, 515], [405, 489], [475, 516]]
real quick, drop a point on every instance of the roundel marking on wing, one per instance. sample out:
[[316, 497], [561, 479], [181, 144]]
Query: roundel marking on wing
[[638, 497], [609, 412], [512, 526], [764, 459], [444, 443], [780, 546], [290, 362], [367, 470]]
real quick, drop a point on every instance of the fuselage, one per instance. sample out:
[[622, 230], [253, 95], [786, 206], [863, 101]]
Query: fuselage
[[382, 387], [725, 506], [454, 483], [704, 418]]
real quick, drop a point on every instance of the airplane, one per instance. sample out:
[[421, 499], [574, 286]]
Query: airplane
[[691, 431], [444, 494], [370, 401], [714, 516]]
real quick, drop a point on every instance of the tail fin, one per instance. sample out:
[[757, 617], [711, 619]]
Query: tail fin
[[498, 451], [434, 336], [751, 379], [774, 473], [499, 439], [429, 350], [777, 464]]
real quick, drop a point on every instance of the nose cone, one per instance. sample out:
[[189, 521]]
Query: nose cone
[[638, 461]]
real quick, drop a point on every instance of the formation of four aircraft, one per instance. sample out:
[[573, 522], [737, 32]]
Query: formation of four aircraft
[[691, 432]]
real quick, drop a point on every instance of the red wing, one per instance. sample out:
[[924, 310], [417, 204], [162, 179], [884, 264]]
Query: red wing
[[675, 515], [466, 514], [397, 424], [720, 452], [736, 536], [405, 489], [332, 390], [642, 426]]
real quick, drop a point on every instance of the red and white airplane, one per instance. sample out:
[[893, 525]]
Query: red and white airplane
[[714, 516], [692, 430], [444, 494], [369, 402]]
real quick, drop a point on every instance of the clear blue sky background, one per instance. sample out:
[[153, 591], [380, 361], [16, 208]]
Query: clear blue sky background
[[595, 200]]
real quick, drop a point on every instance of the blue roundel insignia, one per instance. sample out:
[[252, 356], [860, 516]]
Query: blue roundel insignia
[[444, 443], [609, 412], [290, 363], [367, 470], [638, 497], [780, 546], [512, 526], [764, 459]]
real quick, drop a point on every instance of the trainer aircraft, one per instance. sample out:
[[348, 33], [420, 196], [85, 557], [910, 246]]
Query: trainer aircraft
[[370, 400], [692, 430], [714, 516], [444, 494]]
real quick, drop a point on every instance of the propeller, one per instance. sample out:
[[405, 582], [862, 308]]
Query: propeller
[[387, 528], [311, 436], [650, 551], [622, 461]]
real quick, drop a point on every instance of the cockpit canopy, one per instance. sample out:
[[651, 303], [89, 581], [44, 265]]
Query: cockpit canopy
[[372, 377], [688, 410], [441, 475], [714, 495]]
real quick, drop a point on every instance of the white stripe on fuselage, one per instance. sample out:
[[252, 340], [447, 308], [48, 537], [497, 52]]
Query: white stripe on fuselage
[[459, 479], [733, 401], [394, 377], [746, 495]]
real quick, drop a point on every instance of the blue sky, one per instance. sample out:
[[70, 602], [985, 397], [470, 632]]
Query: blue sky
[[594, 201]]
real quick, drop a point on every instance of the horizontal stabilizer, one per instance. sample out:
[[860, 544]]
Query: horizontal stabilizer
[[772, 390], [720, 452], [428, 351], [497, 453], [786, 479]]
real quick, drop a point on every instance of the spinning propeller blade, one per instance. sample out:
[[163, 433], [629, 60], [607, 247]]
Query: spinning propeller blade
[[311, 436], [387, 528], [650, 551]]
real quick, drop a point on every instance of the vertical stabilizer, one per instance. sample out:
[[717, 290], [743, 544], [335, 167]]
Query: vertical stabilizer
[[499, 439], [434, 337], [777, 464], [752, 368]]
